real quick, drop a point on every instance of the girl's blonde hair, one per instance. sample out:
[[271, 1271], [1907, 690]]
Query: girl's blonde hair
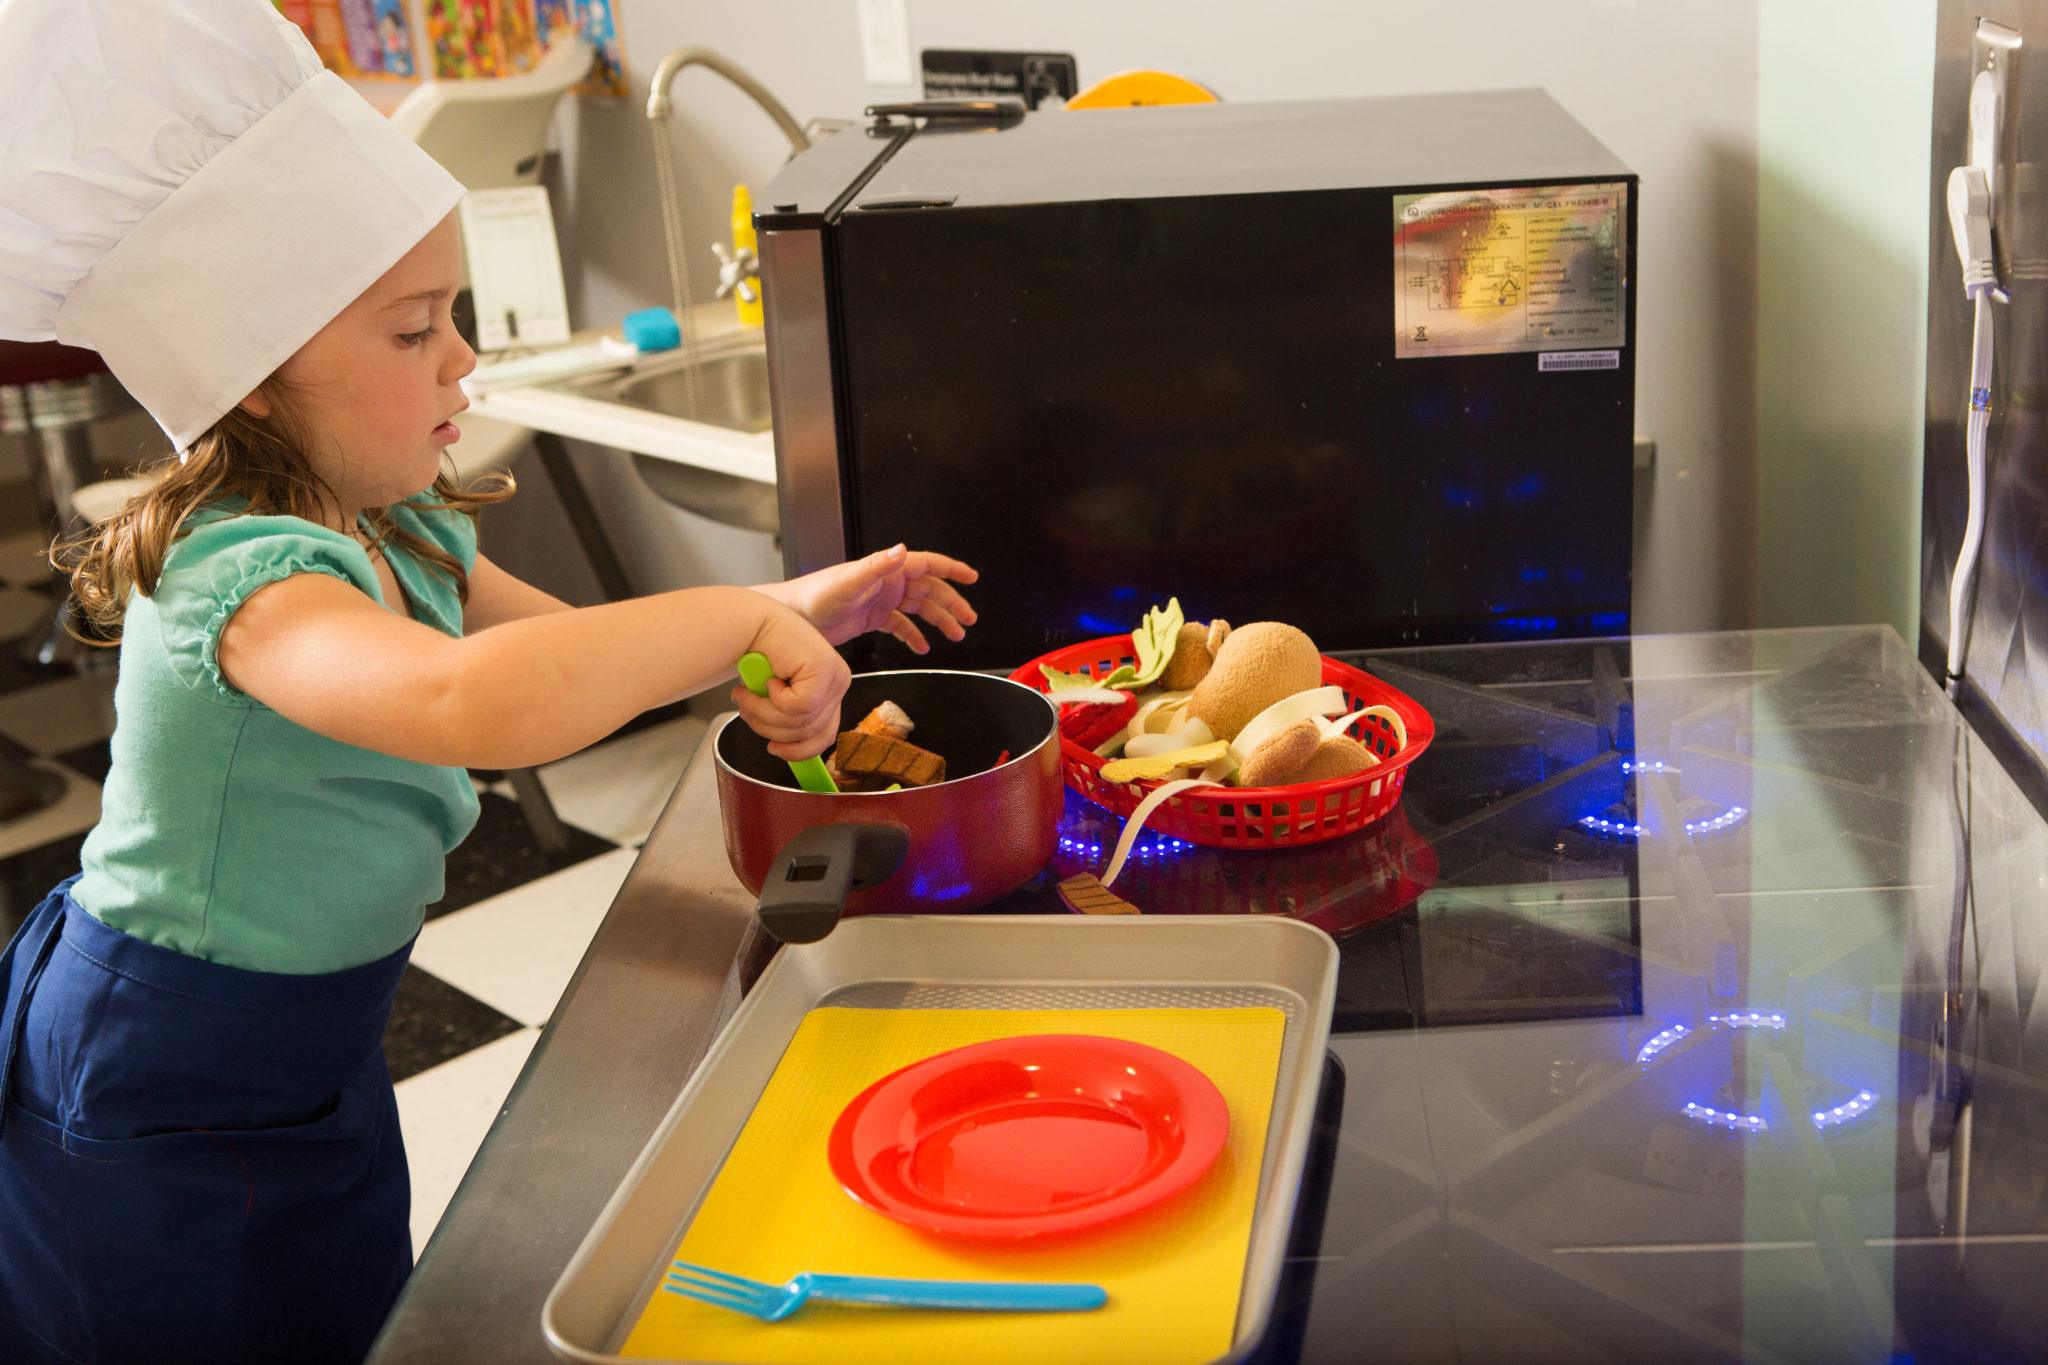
[[261, 459]]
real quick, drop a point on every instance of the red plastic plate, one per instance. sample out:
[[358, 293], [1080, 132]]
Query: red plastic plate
[[1029, 1137]]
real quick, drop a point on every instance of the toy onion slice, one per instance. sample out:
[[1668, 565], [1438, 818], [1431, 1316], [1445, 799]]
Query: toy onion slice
[[1086, 696], [1313, 704], [1135, 824], [1386, 713], [1157, 702], [1188, 736]]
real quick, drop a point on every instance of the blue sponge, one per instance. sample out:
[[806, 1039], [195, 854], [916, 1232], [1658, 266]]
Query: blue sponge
[[653, 329]]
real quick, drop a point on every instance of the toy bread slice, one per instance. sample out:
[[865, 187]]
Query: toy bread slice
[[1085, 894], [877, 760]]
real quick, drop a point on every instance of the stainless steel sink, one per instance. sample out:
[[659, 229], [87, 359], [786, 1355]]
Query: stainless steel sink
[[734, 389], [734, 395]]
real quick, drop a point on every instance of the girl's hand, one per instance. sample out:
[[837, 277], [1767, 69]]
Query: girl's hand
[[800, 715], [884, 591]]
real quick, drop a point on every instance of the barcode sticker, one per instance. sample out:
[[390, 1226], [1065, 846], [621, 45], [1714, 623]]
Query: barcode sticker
[[1546, 361]]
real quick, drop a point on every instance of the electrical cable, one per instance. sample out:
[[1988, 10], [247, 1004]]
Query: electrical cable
[[1976, 434]]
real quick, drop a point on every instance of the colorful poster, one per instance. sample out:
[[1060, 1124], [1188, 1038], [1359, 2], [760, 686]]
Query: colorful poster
[[321, 22], [394, 35], [549, 16], [517, 44], [597, 21], [359, 31], [379, 37], [453, 28]]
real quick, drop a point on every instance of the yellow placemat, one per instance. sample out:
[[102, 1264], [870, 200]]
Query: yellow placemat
[[1173, 1273]]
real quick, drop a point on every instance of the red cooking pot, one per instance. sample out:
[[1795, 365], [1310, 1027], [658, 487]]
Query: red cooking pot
[[955, 845]]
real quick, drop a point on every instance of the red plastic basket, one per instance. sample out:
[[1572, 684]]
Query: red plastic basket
[[1253, 817]]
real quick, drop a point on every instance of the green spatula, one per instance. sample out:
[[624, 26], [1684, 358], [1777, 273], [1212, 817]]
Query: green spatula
[[810, 773]]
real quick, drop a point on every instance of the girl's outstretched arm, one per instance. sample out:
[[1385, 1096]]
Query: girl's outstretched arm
[[884, 591], [524, 691], [496, 597]]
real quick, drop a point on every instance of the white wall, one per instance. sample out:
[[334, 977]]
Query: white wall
[[1842, 343], [1671, 88]]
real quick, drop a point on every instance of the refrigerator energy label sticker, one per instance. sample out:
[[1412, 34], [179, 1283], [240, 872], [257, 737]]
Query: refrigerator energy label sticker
[[1486, 272]]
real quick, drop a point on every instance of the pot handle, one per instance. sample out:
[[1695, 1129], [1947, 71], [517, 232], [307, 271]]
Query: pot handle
[[805, 891]]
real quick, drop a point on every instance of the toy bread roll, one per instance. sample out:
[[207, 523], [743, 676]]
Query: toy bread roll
[[1337, 756], [1276, 761]]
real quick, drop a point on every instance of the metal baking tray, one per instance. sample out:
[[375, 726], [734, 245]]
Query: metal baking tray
[[961, 962]]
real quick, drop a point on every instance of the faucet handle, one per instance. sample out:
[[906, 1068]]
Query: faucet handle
[[737, 271]]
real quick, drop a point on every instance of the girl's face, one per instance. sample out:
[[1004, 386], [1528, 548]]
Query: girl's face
[[378, 384]]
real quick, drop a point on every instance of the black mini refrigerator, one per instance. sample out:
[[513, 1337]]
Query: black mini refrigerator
[[1362, 365]]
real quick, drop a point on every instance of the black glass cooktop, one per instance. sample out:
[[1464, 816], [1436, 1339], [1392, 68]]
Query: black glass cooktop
[[1687, 1009]]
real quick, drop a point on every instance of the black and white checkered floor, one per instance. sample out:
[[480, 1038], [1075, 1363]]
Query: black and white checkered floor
[[497, 949]]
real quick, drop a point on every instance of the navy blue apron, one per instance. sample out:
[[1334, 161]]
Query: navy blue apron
[[196, 1162]]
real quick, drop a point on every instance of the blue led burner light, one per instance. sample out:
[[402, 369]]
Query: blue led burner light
[[1725, 1118], [1658, 1042], [1161, 848], [1849, 1110], [1629, 829], [1631, 765], [1750, 1019], [1733, 815]]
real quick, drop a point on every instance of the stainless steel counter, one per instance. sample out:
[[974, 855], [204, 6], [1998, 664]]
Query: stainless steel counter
[[1692, 1008], [661, 976]]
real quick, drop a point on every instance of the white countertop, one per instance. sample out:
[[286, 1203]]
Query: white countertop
[[561, 408]]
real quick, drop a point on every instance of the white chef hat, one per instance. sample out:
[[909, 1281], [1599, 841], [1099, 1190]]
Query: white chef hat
[[184, 190]]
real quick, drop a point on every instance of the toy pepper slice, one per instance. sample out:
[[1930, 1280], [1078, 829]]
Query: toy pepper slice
[[1091, 723]]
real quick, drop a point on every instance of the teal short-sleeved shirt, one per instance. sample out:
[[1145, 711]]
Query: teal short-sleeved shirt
[[232, 834]]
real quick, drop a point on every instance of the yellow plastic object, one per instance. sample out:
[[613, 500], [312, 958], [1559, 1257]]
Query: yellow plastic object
[[1173, 1273], [1127, 89], [743, 238], [1159, 765]]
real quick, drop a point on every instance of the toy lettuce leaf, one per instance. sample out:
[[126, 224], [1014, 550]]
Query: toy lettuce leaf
[[1057, 681], [1154, 640]]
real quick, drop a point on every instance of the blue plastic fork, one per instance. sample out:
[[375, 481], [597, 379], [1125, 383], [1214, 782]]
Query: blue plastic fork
[[774, 1302]]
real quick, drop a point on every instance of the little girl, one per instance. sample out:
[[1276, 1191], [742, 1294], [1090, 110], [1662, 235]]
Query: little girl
[[199, 1144]]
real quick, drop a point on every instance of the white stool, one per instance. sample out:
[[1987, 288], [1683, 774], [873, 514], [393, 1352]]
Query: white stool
[[96, 503]]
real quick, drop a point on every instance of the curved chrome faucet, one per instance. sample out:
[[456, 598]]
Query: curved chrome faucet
[[733, 273], [659, 106]]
